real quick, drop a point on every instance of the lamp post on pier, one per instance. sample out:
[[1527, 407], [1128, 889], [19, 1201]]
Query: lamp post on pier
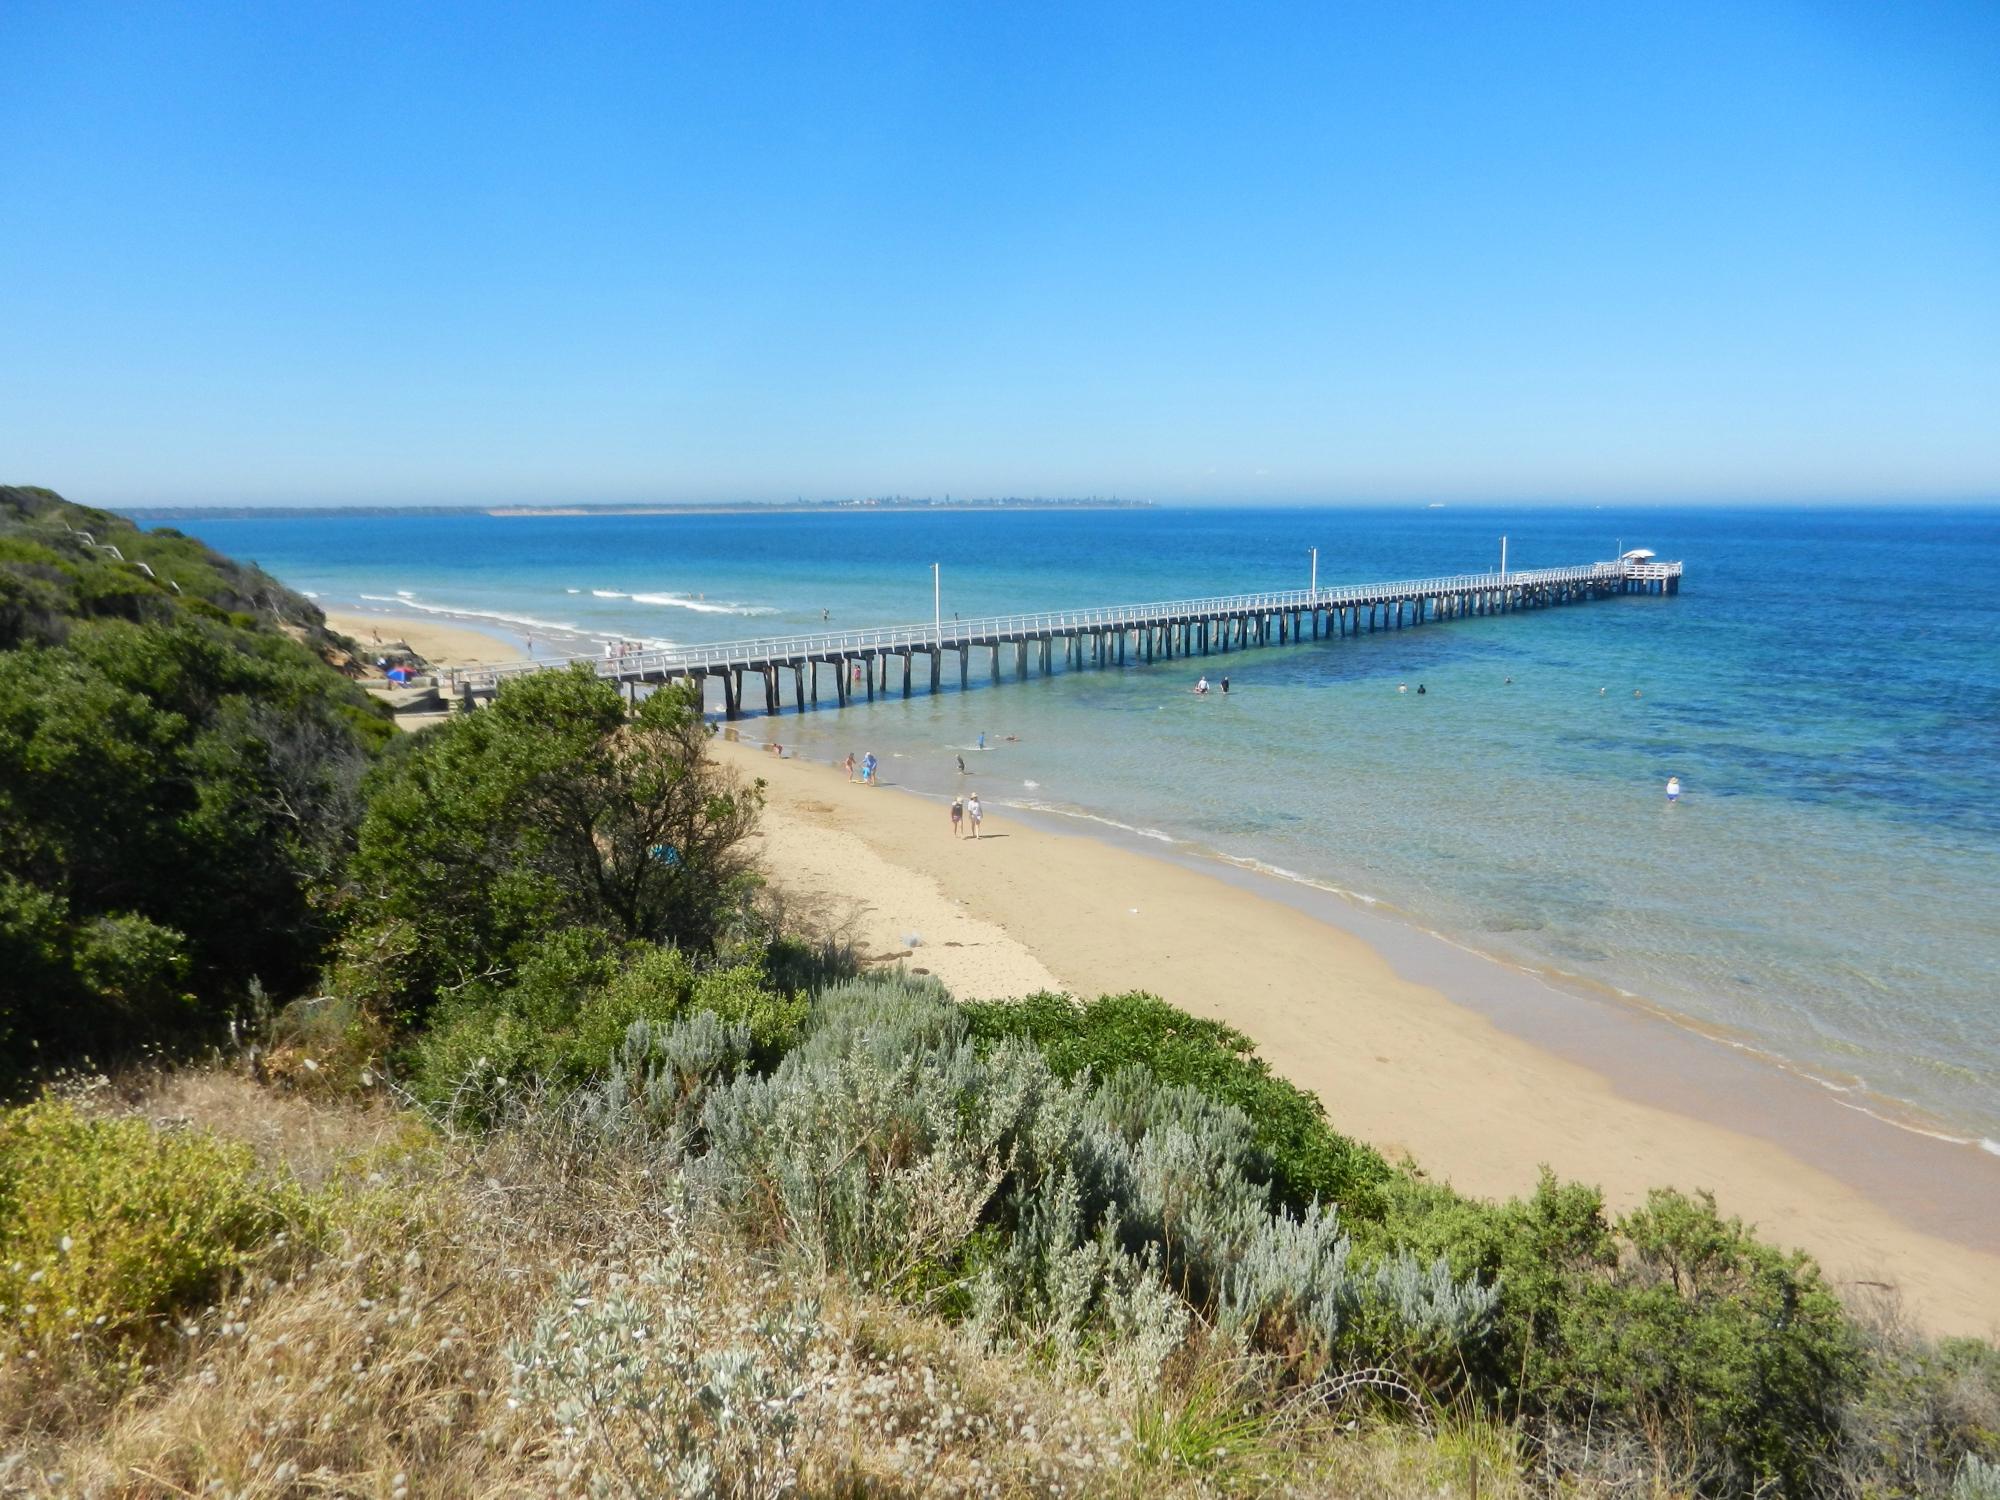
[[1315, 582], [937, 605]]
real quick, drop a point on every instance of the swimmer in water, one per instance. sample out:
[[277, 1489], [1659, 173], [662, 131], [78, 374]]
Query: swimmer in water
[[1420, 690], [1673, 789], [1402, 687]]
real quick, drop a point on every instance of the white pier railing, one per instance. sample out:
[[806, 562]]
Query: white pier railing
[[950, 634]]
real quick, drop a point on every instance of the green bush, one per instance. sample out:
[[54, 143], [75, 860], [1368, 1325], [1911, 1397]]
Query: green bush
[[1309, 1161], [556, 809], [109, 1229], [662, 986], [1736, 1356], [568, 1010], [179, 786]]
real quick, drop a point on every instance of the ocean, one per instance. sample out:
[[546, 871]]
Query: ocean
[[1826, 687]]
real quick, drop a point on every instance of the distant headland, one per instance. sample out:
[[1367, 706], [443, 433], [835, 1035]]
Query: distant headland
[[789, 507]]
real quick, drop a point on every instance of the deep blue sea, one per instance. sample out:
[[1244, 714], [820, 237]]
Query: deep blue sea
[[1826, 686]]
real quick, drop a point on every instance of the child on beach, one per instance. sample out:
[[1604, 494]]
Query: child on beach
[[849, 763]]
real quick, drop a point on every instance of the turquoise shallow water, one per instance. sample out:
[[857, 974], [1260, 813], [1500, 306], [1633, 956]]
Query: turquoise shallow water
[[1827, 687]]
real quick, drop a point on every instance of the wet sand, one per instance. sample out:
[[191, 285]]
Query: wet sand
[[1414, 1044]]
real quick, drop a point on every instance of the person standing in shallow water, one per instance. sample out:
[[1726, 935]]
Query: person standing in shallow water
[[1673, 789]]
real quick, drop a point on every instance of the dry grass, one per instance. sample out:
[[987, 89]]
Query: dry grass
[[398, 1363]]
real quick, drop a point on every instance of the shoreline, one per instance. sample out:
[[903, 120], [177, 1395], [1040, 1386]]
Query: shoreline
[[1476, 1069], [441, 642]]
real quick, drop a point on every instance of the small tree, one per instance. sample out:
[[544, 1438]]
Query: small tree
[[551, 810]]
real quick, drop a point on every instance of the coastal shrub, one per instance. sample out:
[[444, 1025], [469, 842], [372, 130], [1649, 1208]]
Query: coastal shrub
[[1922, 1407], [488, 1039], [1977, 1479], [875, 1161], [1734, 1356], [178, 788], [1308, 1160], [653, 1093], [552, 810], [568, 1011], [889, 1144], [110, 1229], [643, 1400]]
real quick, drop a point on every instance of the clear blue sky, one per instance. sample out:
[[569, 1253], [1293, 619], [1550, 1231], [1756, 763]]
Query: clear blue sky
[[383, 253]]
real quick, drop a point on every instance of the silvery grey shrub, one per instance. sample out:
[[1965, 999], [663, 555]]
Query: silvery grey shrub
[[888, 1145], [1977, 1480], [647, 1395]]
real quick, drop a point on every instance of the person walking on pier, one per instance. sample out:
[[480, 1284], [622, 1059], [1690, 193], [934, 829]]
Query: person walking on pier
[[957, 813], [972, 811]]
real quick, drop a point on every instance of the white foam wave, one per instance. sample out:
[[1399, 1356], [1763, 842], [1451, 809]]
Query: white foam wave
[[1990, 1147], [1279, 872], [700, 606], [309, 593], [572, 591], [405, 601], [1031, 804], [606, 594]]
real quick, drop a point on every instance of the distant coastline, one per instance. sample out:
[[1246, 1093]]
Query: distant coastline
[[795, 507]]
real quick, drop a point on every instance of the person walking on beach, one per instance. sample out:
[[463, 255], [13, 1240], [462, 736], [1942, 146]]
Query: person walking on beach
[[972, 811], [850, 765], [957, 813], [1673, 790]]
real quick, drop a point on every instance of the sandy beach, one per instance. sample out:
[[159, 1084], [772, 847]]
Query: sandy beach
[[441, 643], [1412, 1067]]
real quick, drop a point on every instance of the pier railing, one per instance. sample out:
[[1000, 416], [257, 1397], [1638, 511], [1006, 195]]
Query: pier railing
[[951, 634]]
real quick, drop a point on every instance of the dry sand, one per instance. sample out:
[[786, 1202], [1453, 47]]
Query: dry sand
[[1397, 1063], [442, 644]]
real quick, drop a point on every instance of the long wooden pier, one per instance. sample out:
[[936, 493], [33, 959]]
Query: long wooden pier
[[859, 660]]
